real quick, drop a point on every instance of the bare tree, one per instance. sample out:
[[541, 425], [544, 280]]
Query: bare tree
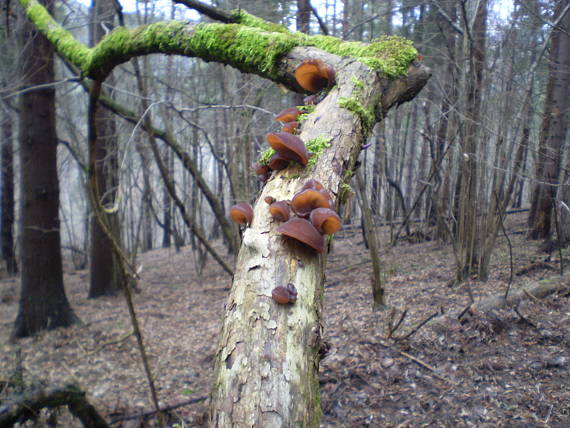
[[104, 276], [554, 129]]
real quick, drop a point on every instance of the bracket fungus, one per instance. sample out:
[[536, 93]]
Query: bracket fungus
[[241, 213], [314, 75]]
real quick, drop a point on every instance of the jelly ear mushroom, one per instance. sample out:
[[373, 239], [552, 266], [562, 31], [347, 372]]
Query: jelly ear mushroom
[[307, 200], [285, 295], [241, 213], [262, 171], [312, 184], [278, 162], [288, 115], [310, 100], [304, 232], [289, 146], [315, 75], [279, 210], [325, 220], [290, 127]]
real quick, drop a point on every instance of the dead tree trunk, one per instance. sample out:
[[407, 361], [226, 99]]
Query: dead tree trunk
[[266, 371]]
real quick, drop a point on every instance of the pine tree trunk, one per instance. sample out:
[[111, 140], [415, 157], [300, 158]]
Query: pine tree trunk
[[43, 303]]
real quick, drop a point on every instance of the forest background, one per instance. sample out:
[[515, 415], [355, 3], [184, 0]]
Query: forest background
[[179, 136]]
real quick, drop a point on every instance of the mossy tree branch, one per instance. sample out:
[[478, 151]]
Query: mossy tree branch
[[252, 46]]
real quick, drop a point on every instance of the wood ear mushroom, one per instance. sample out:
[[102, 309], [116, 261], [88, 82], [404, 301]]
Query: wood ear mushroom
[[285, 295], [241, 213]]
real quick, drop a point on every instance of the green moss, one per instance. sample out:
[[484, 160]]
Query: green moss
[[254, 46], [63, 41], [390, 54], [249, 49], [354, 105], [316, 146], [307, 110], [265, 155], [358, 84], [242, 17], [345, 191]]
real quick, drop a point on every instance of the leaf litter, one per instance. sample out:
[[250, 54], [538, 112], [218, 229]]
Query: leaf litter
[[505, 367]]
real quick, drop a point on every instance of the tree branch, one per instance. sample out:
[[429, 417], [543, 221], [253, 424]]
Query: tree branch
[[27, 406], [251, 46], [210, 11]]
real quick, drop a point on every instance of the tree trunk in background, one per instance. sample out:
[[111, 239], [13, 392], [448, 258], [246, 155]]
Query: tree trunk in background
[[104, 275], [560, 115], [147, 223], [167, 205], [553, 131], [369, 231], [441, 189], [303, 18], [7, 191], [378, 170], [43, 303], [468, 220]]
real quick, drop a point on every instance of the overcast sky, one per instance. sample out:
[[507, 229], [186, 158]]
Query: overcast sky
[[502, 7]]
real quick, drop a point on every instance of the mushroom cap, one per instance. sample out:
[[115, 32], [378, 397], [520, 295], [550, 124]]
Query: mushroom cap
[[312, 184], [288, 115], [307, 200], [279, 210], [290, 127], [315, 75], [241, 213], [310, 100], [326, 220], [303, 231], [278, 162], [269, 200], [260, 169], [284, 295], [289, 146]]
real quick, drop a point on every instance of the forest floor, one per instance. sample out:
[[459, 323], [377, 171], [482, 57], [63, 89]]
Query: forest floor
[[507, 367]]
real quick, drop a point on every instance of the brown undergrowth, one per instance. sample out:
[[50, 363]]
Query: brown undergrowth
[[504, 368]]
